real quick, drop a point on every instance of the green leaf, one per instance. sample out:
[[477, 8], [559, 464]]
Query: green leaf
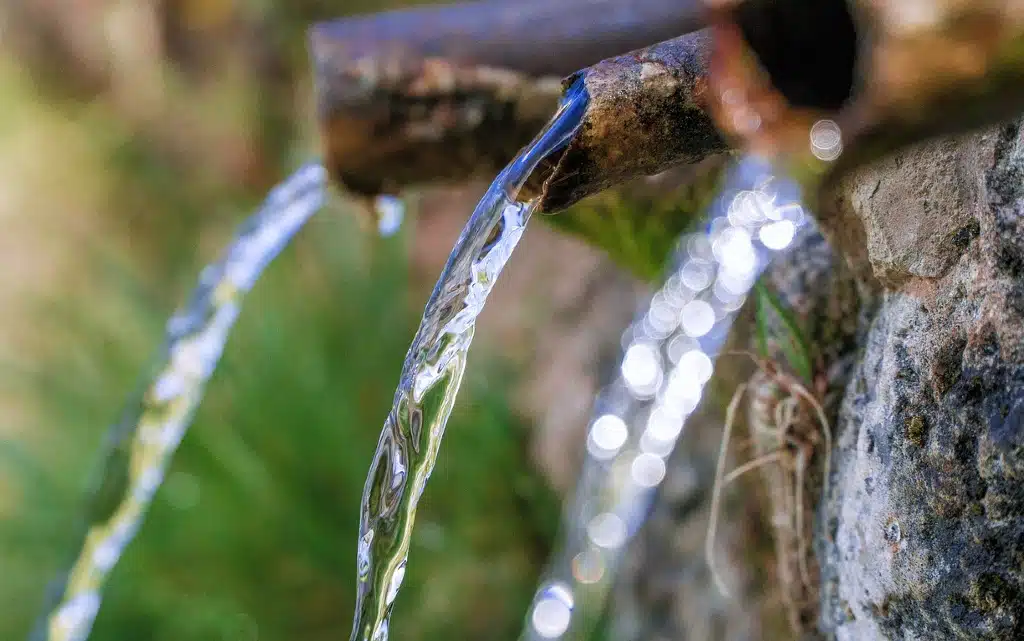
[[792, 342]]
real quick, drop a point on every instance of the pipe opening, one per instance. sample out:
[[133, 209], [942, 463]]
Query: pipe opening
[[809, 49]]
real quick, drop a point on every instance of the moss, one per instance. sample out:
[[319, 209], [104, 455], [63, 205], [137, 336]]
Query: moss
[[637, 225], [256, 525], [963, 237], [991, 592], [917, 430]]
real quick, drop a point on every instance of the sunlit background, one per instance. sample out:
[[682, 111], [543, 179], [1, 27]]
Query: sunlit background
[[134, 136]]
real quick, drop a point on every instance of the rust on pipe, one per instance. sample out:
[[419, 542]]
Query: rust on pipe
[[887, 77], [787, 79], [533, 37], [448, 93], [647, 113], [823, 87]]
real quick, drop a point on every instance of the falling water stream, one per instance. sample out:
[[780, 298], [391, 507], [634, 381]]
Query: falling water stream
[[143, 442], [432, 373], [669, 357]]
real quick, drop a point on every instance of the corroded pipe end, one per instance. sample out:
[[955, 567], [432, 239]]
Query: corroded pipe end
[[647, 113]]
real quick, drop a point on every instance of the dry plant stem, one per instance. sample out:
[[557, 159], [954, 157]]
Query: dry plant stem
[[794, 387], [452, 92], [798, 482], [794, 440], [771, 457], [780, 397], [716, 493]]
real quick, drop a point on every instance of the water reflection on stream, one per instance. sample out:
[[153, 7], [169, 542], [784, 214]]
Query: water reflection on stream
[[141, 445], [668, 358], [432, 373]]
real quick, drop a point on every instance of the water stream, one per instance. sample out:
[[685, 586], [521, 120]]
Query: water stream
[[142, 443], [432, 372], [669, 356]]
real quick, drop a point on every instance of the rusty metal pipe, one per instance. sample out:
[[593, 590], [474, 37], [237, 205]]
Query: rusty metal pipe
[[877, 75], [439, 94], [889, 82], [647, 113], [533, 37]]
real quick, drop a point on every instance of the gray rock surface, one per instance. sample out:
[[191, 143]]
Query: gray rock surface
[[924, 535]]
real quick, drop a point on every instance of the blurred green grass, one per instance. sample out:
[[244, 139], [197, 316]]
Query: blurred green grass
[[123, 175], [253, 535]]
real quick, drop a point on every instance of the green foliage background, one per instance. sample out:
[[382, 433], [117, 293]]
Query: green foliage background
[[254, 534]]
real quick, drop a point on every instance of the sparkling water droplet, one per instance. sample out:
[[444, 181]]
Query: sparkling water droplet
[[650, 444], [607, 436], [390, 214], [697, 274], [750, 207], [697, 318], [662, 317], [607, 530], [588, 566], [641, 369], [663, 425], [647, 470], [679, 345], [778, 235], [735, 251], [552, 612], [698, 363], [826, 140]]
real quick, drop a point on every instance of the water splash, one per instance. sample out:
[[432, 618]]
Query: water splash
[[668, 358], [432, 373], [142, 444]]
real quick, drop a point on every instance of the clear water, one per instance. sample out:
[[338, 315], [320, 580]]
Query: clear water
[[669, 354], [432, 372], [142, 444]]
